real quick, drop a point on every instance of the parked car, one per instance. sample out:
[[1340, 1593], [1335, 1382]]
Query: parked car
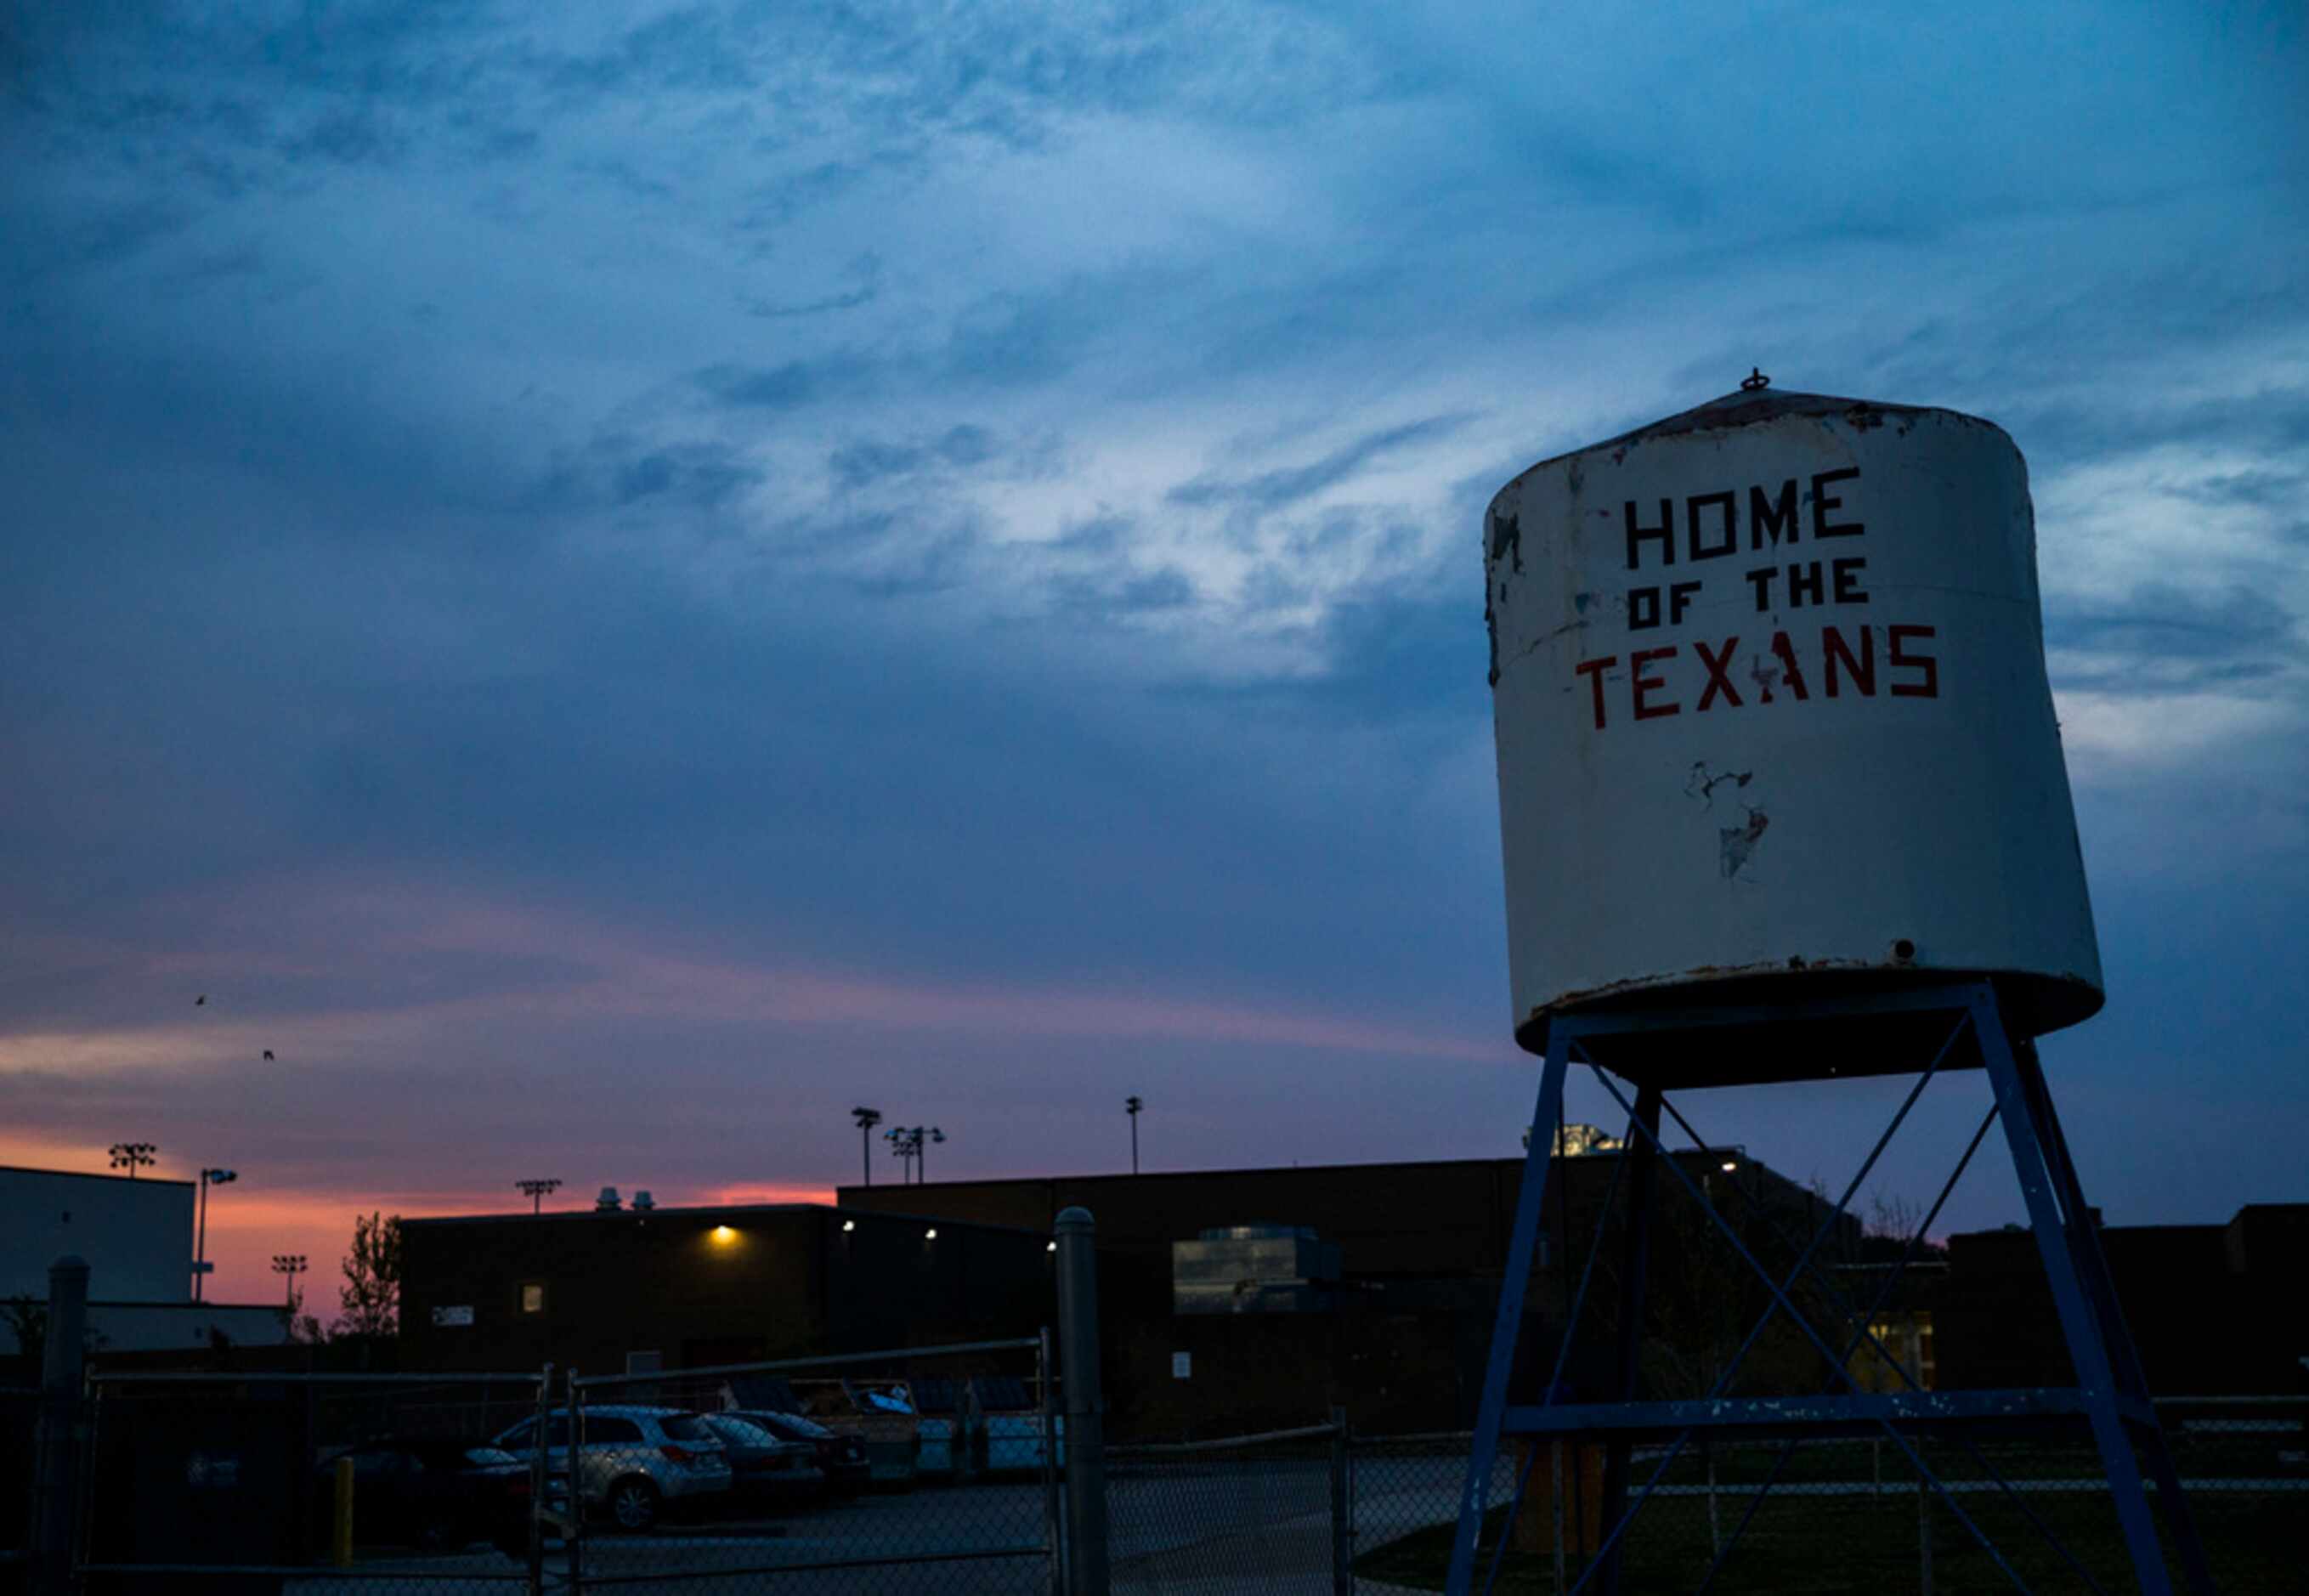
[[766, 1469], [428, 1493], [636, 1461], [840, 1460]]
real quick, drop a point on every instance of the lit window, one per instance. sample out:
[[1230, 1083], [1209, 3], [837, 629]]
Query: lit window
[[533, 1297]]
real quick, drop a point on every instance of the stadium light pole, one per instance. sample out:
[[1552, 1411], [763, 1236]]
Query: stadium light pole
[[289, 1266], [132, 1156], [536, 1191], [1130, 1105], [922, 1161], [867, 1118], [209, 1177]]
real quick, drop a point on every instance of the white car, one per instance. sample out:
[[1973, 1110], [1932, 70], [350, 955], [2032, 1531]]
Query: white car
[[634, 1462]]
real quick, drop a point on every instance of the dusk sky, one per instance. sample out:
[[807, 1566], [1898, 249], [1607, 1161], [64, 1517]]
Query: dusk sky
[[609, 582]]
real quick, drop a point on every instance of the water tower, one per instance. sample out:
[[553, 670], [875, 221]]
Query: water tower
[[1782, 799]]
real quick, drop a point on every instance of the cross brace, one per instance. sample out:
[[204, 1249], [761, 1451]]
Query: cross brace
[[2110, 1394]]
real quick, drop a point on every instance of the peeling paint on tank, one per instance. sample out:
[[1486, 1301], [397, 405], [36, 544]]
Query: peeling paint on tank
[[1738, 843], [1701, 784], [1764, 677], [1507, 538]]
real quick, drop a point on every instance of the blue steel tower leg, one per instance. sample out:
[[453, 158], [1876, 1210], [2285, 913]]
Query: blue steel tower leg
[[2124, 1356], [2025, 1113], [1473, 1497]]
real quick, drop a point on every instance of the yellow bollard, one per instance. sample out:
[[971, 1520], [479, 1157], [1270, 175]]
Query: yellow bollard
[[341, 1528]]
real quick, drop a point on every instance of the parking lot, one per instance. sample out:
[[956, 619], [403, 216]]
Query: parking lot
[[984, 1538], [1169, 1526]]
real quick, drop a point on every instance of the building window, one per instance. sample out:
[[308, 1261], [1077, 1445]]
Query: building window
[[533, 1296]]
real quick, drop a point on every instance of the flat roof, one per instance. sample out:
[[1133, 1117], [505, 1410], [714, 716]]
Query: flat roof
[[712, 1211], [1516, 1158], [94, 1175]]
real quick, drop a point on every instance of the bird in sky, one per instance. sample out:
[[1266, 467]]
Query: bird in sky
[[201, 1000], [268, 1055]]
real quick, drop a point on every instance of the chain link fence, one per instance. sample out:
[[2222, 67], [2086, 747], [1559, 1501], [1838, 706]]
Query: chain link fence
[[1266, 1511], [202, 1481], [20, 1424], [922, 1470], [941, 1469], [1840, 1515]]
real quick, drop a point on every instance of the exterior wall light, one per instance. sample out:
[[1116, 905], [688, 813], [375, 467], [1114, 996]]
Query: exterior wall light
[[723, 1235], [930, 1234], [1730, 1165], [849, 1225]]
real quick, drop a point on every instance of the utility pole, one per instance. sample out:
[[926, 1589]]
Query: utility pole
[[536, 1191], [209, 1177], [867, 1118], [1130, 1105]]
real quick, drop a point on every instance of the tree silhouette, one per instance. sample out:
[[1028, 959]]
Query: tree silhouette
[[371, 1294]]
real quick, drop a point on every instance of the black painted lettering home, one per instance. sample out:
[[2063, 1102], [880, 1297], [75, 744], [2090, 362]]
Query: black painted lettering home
[[1821, 504], [1664, 532], [1727, 524], [1771, 517], [1711, 520]]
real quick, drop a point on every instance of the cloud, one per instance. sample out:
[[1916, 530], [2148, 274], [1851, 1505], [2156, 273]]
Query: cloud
[[1276, 490], [942, 550]]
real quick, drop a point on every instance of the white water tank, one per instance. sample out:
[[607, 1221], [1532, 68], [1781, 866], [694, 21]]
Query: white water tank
[[1773, 722]]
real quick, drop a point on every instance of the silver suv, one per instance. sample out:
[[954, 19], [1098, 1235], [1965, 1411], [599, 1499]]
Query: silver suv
[[635, 1459]]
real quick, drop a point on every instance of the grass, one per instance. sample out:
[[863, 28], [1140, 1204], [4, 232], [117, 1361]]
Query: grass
[[1828, 1546]]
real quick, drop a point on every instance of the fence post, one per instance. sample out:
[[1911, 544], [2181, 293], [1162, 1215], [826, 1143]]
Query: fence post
[[1044, 1396], [572, 1537], [1343, 1533], [1555, 1473], [540, 1483], [64, 1367], [1086, 1436], [1923, 1527]]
